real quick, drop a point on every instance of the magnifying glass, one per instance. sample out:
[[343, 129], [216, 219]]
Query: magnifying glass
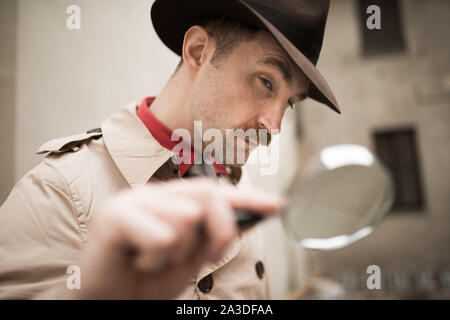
[[342, 196]]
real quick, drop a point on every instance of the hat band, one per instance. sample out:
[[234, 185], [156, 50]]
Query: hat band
[[296, 32]]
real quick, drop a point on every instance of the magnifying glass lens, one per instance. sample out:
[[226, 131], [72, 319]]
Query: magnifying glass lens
[[345, 195]]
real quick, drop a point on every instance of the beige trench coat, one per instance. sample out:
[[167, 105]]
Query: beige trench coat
[[45, 219]]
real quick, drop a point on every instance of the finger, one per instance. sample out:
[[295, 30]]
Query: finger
[[220, 226], [240, 198], [179, 210], [152, 240], [253, 199], [185, 215]]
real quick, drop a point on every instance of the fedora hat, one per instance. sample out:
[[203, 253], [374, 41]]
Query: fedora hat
[[297, 25]]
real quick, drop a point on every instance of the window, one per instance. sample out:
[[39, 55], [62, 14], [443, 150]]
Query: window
[[398, 152], [387, 40]]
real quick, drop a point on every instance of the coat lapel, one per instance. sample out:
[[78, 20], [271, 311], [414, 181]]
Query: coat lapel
[[134, 150]]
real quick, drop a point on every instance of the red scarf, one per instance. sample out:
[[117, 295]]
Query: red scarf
[[163, 135]]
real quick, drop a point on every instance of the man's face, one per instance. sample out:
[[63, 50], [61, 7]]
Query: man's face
[[250, 88]]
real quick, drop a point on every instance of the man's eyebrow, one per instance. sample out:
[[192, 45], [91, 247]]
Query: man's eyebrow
[[280, 65]]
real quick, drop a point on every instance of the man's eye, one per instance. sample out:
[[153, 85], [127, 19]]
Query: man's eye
[[266, 83]]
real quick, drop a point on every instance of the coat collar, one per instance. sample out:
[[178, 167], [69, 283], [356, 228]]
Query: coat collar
[[138, 155], [134, 150]]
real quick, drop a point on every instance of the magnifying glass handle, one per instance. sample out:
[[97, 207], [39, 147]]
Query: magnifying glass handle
[[246, 218]]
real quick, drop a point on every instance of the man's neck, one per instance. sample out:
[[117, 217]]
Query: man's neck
[[170, 106]]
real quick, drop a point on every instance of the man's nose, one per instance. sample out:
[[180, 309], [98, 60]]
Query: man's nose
[[270, 119]]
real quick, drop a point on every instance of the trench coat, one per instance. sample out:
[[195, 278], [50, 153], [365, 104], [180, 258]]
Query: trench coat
[[45, 220]]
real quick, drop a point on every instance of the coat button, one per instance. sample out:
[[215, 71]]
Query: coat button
[[259, 267], [206, 284]]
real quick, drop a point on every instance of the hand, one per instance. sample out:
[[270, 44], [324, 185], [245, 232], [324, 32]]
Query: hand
[[149, 242]]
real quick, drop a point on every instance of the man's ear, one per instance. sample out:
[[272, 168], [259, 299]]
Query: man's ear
[[196, 47]]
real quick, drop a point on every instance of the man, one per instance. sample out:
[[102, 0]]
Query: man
[[243, 64]]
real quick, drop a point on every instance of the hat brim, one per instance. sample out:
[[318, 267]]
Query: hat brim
[[172, 18]]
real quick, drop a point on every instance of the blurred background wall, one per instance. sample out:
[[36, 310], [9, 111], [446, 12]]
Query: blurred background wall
[[8, 36], [393, 87], [68, 81]]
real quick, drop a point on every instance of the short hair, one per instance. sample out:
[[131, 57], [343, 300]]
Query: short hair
[[227, 33]]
